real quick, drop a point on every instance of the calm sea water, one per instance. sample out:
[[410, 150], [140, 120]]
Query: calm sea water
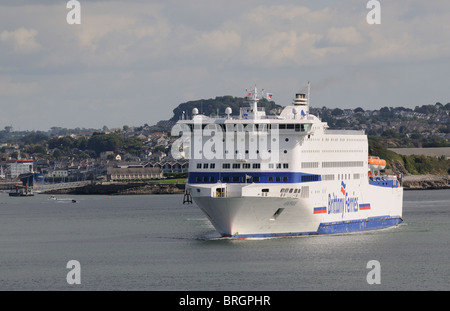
[[157, 243]]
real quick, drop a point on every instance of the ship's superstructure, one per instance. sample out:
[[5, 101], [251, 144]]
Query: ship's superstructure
[[256, 175]]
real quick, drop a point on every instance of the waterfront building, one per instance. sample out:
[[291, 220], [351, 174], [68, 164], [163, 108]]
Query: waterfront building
[[16, 167]]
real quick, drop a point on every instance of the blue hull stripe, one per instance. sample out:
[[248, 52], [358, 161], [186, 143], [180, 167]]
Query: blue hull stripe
[[384, 183], [258, 177], [371, 223]]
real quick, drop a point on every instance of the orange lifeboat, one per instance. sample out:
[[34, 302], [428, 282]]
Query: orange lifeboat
[[375, 163]]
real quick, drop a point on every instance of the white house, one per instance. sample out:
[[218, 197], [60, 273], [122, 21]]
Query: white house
[[16, 167]]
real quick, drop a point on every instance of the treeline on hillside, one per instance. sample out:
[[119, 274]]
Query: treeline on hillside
[[424, 126], [413, 164], [42, 145]]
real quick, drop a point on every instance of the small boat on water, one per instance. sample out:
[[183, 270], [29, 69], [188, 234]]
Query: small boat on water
[[62, 200]]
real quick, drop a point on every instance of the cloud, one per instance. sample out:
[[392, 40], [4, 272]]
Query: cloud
[[22, 40], [220, 41], [270, 14], [96, 27], [281, 49], [8, 87], [137, 60], [345, 36]]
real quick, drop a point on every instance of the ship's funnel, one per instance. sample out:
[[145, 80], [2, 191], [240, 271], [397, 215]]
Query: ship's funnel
[[300, 99]]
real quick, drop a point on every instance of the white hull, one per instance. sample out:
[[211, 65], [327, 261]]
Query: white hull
[[290, 215]]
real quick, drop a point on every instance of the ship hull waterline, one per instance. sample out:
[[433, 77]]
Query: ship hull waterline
[[253, 217]]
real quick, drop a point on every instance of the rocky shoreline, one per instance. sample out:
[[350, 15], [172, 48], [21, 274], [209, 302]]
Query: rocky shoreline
[[411, 182], [425, 182]]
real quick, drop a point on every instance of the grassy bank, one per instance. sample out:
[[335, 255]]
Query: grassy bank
[[170, 181], [409, 164]]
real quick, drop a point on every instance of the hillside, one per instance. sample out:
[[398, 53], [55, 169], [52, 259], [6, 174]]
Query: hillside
[[409, 164], [399, 127]]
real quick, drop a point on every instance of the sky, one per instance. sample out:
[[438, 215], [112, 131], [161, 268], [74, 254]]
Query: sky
[[132, 62]]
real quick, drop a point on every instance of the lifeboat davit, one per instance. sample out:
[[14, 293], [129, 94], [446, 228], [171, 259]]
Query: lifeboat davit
[[376, 164]]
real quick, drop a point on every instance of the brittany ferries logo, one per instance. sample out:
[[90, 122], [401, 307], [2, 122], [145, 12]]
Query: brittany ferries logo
[[343, 188], [343, 202]]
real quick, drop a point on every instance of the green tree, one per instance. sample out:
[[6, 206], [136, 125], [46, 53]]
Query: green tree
[[36, 149], [63, 143], [100, 142], [337, 112], [57, 154], [34, 138], [82, 143]]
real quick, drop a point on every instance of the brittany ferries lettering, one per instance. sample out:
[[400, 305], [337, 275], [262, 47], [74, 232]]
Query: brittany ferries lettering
[[256, 175]]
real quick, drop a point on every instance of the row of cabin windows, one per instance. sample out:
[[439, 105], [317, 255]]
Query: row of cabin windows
[[278, 179], [254, 179], [236, 179], [333, 164], [282, 165], [291, 190], [251, 127], [340, 176], [241, 179], [244, 165], [206, 165], [343, 164], [304, 191]]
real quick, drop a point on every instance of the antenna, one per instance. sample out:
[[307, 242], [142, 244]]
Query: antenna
[[309, 94]]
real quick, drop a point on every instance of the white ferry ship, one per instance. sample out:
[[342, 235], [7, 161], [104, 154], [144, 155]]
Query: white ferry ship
[[257, 175]]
